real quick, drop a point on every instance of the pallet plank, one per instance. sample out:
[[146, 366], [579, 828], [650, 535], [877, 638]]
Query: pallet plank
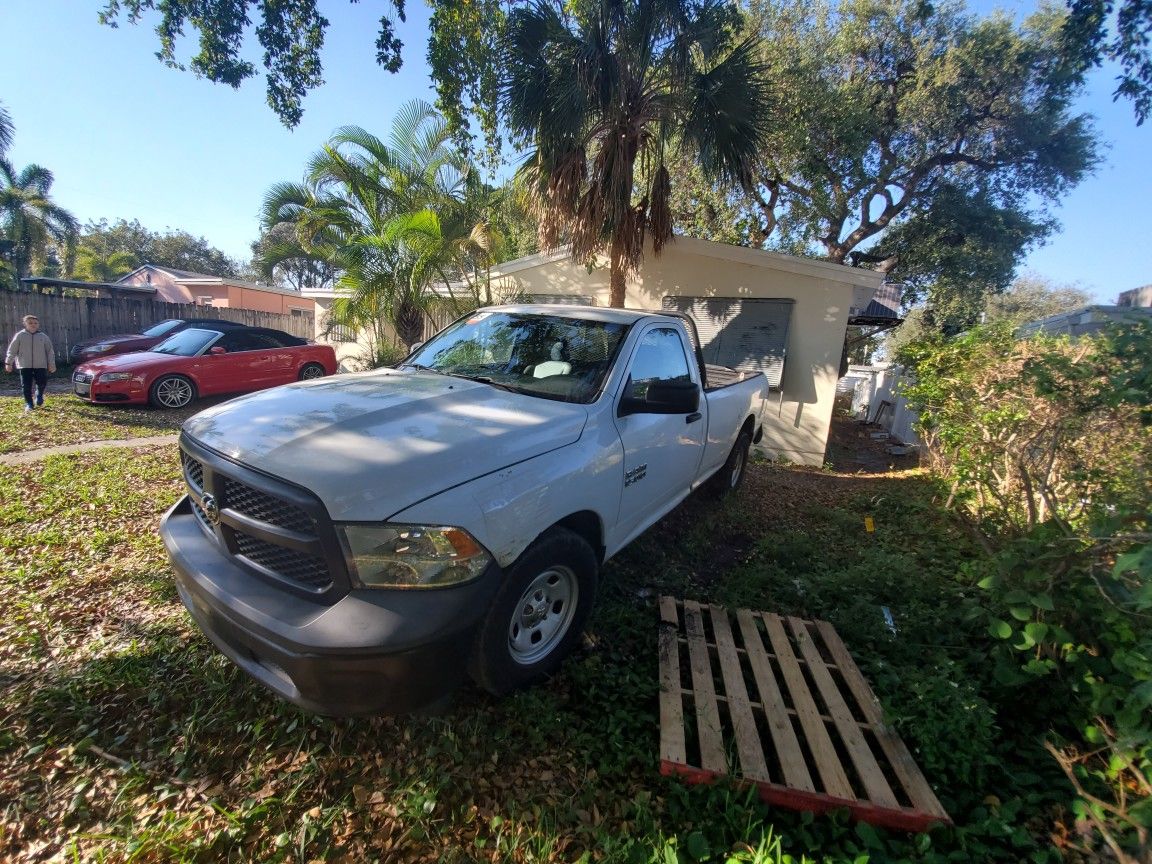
[[712, 755], [672, 747], [919, 792], [748, 747], [819, 742], [775, 669], [779, 725], [875, 784]]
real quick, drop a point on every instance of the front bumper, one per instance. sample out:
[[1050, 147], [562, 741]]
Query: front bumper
[[374, 651], [130, 391]]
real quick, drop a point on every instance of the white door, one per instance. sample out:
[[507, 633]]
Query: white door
[[661, 451]]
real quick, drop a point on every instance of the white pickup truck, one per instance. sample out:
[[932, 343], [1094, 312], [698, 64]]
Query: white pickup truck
[[359, 543]]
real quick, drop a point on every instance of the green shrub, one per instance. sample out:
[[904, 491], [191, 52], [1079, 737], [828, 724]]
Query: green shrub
[[1046, 445]]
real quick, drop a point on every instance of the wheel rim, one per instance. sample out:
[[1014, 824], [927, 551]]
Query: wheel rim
[[738, 468], [173, 392], [311, 371], [543, 614]]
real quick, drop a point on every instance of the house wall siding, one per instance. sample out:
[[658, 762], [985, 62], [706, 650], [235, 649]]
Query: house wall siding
[[166, 287]]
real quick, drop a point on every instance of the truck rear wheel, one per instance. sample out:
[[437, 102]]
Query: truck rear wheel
[[538, 614], [730, 477]]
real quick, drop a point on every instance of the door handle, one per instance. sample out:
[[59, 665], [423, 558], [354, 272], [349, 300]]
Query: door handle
[[693, 417]]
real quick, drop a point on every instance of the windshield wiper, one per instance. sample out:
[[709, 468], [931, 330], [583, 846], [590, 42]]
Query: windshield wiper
[[421, 367], [484, 379]]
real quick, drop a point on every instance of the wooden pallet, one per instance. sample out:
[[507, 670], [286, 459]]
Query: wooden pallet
[[778, 702]]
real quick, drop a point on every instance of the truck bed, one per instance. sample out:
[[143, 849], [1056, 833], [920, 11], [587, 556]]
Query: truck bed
[[721, 376]]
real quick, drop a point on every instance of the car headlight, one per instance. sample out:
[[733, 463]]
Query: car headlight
[[115, 376], [412, 556]]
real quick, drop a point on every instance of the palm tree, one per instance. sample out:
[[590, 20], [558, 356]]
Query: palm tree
[[386, 215], [29, 219], [7, 130], [98, 264], [604, 97]]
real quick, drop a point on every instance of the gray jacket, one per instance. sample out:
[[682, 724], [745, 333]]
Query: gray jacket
[[31, 351]]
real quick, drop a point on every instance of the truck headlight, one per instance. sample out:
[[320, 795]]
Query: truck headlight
[[412, 556], [115, 376]]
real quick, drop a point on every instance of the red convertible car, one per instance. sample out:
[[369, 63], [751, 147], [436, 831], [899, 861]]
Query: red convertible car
[[202, 362]]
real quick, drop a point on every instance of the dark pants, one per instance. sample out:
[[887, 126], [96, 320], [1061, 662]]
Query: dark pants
[[40, 377]]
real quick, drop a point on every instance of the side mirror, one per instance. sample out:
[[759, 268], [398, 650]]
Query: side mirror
[[216, 349], [663, 397]]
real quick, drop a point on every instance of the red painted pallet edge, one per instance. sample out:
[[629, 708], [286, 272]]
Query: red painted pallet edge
[[815, 802]]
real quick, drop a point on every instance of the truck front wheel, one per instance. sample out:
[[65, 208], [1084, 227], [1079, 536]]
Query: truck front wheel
[[538, 614]]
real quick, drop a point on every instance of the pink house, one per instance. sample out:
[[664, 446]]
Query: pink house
[[182, 286]]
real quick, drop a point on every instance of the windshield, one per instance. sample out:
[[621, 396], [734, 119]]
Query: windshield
[[187, 343], [163, 328], [541, 355]]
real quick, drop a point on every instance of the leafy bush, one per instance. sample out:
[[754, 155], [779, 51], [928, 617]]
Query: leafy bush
[[378, 355], [1047, 448]]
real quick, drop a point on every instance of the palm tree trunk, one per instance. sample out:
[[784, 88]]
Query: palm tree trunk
[[616, 277], [409, 322]]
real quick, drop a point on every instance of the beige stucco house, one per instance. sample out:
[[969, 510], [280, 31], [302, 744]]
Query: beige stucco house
[[761, 310]]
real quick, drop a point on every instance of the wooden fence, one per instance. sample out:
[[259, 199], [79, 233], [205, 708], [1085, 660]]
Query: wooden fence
[[68, 320]]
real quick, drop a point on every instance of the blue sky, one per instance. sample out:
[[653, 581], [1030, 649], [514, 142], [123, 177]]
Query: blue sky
[[128, 138]]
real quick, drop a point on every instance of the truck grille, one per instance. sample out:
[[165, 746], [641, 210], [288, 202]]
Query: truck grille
[[288, 563], [193, 472], [254, 503], [272, 553]]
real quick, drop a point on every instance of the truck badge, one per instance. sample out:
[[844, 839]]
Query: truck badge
[[211, 509]]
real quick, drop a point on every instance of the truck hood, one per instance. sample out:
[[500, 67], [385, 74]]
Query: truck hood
[[372, 444]]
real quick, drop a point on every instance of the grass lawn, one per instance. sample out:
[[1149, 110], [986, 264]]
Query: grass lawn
[[65, 419], [125, 736]]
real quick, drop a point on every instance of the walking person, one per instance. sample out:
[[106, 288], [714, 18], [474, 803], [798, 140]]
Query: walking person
[[32, 353]]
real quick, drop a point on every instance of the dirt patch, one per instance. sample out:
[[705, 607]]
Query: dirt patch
[[852, 449]]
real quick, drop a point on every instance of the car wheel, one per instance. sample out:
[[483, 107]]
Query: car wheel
[[172, 391], [311, 370], [731, 474], [538, 613]]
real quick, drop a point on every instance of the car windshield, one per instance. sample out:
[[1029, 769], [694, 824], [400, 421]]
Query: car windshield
[[187, 343], [163, 328], [549, 356]]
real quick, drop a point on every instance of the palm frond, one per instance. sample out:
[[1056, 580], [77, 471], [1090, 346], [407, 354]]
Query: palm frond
[[727, 120]]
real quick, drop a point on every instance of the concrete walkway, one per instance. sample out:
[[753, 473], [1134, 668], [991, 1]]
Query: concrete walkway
[[34, 455]]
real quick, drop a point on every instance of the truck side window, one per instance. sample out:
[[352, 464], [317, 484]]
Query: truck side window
[[659, 357]]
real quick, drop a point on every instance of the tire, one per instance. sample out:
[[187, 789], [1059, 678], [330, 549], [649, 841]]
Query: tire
[[731, 475], [311, 370], [172, 391], [538, 613]]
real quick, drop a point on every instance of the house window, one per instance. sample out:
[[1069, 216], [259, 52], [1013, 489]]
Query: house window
[[746, 333], [205, 300]]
